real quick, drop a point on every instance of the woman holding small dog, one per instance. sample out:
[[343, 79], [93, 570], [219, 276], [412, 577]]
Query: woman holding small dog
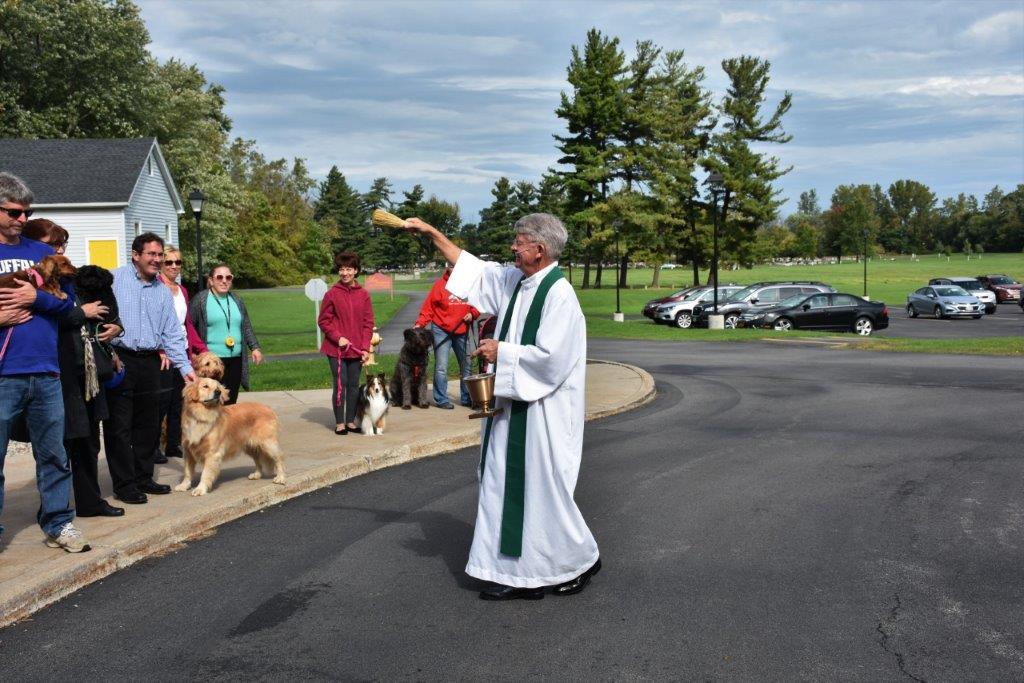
[[171, 381], [346, 319], [222, 321]]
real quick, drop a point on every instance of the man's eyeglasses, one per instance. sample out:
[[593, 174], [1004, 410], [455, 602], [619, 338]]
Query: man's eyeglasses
[[168, 262], [224, 278], [18, 213]]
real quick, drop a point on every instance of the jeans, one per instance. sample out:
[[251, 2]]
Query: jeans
[[39, 397], [443, 341]]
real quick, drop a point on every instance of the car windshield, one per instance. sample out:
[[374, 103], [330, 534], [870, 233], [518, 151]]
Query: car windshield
[[1002, 280], [742, 294], [951, 291], [789, 302], [970, 285]]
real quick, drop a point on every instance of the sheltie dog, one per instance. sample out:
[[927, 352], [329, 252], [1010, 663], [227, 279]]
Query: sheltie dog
[[374, 400]]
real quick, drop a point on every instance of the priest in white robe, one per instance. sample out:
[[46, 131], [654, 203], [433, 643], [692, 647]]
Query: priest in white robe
[[530, 537]]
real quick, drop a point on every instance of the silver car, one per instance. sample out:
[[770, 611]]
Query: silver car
[[680, 313], [944, 301], [973, 286]]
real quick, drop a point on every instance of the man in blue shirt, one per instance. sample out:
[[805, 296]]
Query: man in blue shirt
[[152, 335], [29, 373]]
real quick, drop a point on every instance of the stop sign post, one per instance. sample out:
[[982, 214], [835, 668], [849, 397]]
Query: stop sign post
[[315, 291]]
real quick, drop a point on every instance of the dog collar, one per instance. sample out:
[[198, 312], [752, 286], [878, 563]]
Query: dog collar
[[36, 277]]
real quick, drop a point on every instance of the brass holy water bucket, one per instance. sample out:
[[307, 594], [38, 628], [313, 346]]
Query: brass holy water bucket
[[481, 392]]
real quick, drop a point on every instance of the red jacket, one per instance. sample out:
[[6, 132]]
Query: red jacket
[[446, 310], [196, 345], [346, 312]]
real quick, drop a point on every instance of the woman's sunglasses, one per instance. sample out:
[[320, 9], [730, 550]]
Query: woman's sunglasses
[[225, 278], [168, 262], [16, 213]]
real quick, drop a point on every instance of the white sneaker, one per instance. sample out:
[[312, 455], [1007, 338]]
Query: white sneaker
[[70, 539]]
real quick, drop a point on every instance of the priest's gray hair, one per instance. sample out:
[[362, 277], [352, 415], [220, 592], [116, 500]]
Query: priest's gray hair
[[546, 229], [14, 190]]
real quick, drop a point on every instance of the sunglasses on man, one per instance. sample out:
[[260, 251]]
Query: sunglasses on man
[[18, 213]]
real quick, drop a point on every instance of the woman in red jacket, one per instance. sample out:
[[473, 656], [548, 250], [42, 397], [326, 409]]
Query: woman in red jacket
[[346, 319], [449, 318]]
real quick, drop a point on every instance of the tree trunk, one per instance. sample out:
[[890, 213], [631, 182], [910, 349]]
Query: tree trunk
[[656, 277], [597, 275], [586, 272]]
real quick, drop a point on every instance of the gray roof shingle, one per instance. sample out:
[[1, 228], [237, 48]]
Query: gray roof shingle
[[76, 171]]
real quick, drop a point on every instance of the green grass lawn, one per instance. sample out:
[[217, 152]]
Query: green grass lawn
[[285, 320], [287, 375]]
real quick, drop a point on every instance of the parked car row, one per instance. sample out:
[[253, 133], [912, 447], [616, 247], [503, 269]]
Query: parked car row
[[962, 297]]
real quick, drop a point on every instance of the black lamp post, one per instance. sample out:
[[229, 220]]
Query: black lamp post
[[716, 185], [865, 263], [618, 275], [196, 199]]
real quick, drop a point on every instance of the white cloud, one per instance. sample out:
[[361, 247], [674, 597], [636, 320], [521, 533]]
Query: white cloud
[[998, 27], [976, 86], [741, 17]]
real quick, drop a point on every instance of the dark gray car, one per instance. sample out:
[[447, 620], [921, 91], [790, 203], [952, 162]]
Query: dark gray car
[[758, 296]]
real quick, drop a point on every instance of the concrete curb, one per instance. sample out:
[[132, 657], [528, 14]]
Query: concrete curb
[[149, 540]]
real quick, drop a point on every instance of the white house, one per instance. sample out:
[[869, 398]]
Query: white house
[[103, 192]]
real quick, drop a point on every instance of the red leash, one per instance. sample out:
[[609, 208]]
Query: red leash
[[7, 341]]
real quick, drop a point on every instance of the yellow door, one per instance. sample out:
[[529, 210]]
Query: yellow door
[[103, 253]]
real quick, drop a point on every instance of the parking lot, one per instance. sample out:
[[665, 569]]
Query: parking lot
[[1007, 321]]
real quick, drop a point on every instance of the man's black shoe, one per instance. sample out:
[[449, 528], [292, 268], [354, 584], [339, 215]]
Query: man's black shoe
[[104, 510], [155, 488], [132, 497], [445, 406], [499, 592], [579, 583]]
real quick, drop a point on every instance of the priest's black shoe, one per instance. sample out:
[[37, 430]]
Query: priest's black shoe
[[105, 509], [499, 592], [579, 583], [153, 487], [132, 497]]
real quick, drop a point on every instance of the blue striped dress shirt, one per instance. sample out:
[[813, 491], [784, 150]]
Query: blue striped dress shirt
[[147, 313]]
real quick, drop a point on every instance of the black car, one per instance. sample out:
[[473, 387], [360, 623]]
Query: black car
[[756, 297], [846, 312]]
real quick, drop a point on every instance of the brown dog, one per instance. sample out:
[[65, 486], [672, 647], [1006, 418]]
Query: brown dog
[[212, 432], [207, 364], [45, 275]]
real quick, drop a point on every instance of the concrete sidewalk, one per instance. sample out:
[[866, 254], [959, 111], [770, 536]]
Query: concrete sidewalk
[[33, 576]]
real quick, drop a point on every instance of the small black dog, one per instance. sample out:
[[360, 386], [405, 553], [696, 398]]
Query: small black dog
[[410, 381], [93, 283]]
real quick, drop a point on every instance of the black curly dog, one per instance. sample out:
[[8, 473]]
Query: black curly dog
[[93, 283], [410, 379]]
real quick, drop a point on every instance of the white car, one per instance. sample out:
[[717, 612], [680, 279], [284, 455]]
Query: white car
[[680, 313], [973, 286]]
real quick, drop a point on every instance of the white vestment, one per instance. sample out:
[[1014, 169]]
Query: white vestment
[[550, 376]]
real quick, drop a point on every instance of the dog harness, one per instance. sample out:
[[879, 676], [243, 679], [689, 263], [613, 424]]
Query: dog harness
[[513, 507]]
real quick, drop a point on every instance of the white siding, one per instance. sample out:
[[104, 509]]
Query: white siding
[[151, 205], [89, 224]]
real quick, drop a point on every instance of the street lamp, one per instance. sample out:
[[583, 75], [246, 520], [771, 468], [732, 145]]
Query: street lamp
[[196, 199], [865, 263], [716, 185], [618, 317]]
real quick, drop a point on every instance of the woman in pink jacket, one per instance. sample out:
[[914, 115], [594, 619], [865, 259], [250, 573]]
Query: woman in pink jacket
[[346, 319]]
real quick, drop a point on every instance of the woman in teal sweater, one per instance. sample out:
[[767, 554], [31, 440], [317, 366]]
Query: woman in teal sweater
[[222, 320]]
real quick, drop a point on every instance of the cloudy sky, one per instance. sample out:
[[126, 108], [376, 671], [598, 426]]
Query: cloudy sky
[[453, 95]]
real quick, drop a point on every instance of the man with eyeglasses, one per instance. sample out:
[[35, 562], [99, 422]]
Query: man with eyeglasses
[[132, 433], [29, 370]]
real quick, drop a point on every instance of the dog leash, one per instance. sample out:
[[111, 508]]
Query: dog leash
[[7, 341]]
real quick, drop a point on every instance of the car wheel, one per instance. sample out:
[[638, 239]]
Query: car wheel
[[684, 320], [731, 320], [863, 326], [937, 312], [989, 310], [783, 325], [911, 311]]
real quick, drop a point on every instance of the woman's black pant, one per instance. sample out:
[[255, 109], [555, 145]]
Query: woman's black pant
[[171, 385], [232, 377], [346, 388], [82, 454]]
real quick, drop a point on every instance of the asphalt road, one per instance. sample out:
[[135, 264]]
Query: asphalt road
[[779, 512]]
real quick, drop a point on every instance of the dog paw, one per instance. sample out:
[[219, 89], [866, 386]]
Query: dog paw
[[279, 479], [183, 486], [256, 475], [424, 405], [406, 407], [199, 491]]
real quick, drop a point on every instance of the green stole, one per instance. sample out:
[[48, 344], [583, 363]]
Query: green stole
[[515, 454]]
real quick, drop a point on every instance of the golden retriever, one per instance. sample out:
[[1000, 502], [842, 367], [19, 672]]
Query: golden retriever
[[207, 364], [212, 432]]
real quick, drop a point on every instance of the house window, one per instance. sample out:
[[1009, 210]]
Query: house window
[[149, 165], [167, 232], [138, 228]]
